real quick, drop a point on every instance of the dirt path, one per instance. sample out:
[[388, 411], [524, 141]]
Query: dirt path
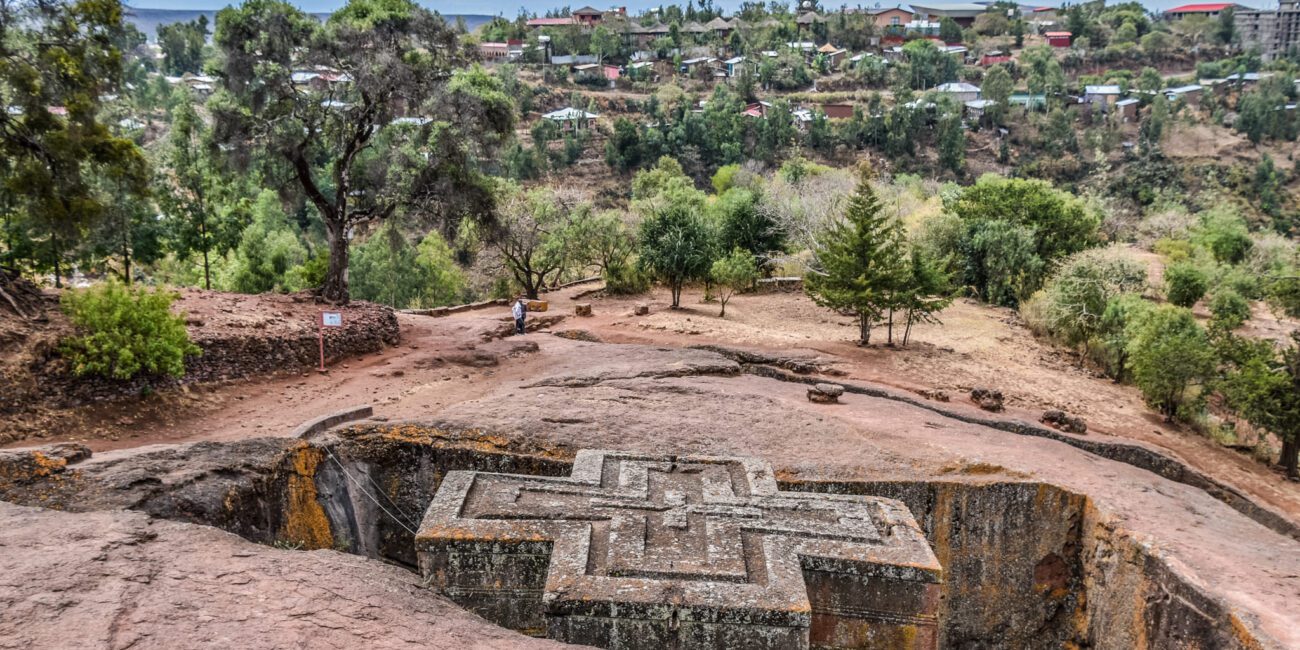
[[445, 361]]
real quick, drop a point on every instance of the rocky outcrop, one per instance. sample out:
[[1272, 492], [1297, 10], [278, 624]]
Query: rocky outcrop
[[1025, 564], [115, 579]]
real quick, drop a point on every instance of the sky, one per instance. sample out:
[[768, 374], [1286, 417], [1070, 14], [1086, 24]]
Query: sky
[[510, 8]]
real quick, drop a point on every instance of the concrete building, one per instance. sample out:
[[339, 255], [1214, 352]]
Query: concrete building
[[887, 17], [963, 13], [1209, 10], [1272, 32]]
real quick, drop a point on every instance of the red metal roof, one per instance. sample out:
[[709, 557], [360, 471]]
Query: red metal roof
[[1201, 8]]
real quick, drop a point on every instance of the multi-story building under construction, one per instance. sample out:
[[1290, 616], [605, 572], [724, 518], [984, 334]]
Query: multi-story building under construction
[[1274, 32]]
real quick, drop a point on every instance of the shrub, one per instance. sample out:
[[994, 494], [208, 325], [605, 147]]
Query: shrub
[[1229, 308], [733, 273], [1185, 284], [624, 278], [125, 331], [1075, 298], [1170, 355]]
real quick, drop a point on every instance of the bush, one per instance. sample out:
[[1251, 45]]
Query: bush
[[1170, 355], [623, 278], [1229, 308], [125, 331], [1072, 303], [1185, 284]]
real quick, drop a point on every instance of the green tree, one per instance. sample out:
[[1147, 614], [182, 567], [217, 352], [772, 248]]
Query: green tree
[[1224, 233], [859, 260], [1226, 29], [387, 269], [1117, 326], [1230, 310], [268, 249], [58, 60], [182, 45], [1014, 228], [347, 156], [676, 246], [733, 273], [926, 291], [1171, 358], [535, 236], [123, 332], [1263, 384], [744, 224], [952, 141], [1185, 284], [997, 87], [949, 30], [192, 193], [1043, 73]]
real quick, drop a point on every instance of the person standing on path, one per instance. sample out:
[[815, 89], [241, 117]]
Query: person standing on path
[[520, 311]]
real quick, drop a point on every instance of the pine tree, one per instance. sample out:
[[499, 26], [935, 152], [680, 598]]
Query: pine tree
[[861, 261], [928, 292]]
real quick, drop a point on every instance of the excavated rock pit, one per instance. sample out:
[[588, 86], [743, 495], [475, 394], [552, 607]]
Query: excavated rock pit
[[1025, 564]]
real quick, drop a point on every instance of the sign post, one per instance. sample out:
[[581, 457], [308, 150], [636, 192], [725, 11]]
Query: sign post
[[327, 319]]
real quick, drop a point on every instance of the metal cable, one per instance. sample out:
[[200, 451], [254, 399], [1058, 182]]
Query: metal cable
[[404, 524]]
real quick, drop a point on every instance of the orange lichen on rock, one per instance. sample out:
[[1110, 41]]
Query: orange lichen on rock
[[305, 521]]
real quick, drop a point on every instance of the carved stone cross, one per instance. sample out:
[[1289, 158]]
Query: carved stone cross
[[633, 551]]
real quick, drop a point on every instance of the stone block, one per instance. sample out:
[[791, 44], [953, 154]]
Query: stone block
[[654, 552], [825, 393], [582, 309], [538, 305], [641, 309]]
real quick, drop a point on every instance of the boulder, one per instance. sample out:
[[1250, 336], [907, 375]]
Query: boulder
[[582, 309], [933, 394], [1062, 421], [641, 309], [825, 393], [989, 399]]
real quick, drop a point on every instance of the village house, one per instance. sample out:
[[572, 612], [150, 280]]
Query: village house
[[976, 108], [1101, 98], [1191, 94], [834, 55], [571, 119], [887, 18], [995, 57], [733, 65], [1127, 110], [959, 90], [493, 52], [1058, 39], [838, 111], [963, 13]]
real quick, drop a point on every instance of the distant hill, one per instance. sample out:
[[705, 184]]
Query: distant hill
[[148, 20]]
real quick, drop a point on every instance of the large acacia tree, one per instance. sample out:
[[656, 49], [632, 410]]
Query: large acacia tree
[[340, 134]]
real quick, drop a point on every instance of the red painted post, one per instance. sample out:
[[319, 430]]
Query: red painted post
[[320, 335]]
